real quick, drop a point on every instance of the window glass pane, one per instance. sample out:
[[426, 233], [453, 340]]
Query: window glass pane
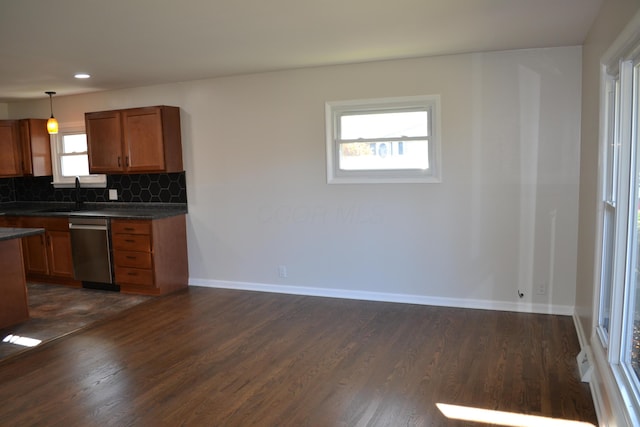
[[612, 142], [396, 155], [75, 165], [385, 125], [76, 143], [632, 341], [607, 268]]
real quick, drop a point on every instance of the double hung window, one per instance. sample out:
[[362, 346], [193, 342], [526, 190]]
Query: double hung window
[[383, 140], [618, 308], [71, 160]]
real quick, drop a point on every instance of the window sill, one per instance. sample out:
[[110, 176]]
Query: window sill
[[345, 180], [83, 184]]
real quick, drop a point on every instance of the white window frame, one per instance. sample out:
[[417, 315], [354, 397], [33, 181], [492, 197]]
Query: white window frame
[[59, 181], [620, 64], [611, 173], [335, 109]]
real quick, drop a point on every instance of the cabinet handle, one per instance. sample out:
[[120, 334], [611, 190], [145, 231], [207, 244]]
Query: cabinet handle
[[127, 161], [131, 257], [129, 228], [132, 274], [129, 240]]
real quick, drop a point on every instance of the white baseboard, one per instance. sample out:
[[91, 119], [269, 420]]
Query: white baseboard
[[594, 376], [387, 297]]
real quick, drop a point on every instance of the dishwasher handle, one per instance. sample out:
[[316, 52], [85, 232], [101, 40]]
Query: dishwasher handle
[[87, 227]]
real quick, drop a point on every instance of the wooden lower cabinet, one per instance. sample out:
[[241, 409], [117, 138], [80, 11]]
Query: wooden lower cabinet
[[14, 306], [10, 221], [47, 257], [150, 256], [35, 254], [59, 253]]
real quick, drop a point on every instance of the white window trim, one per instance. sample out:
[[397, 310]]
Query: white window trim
[[334, 108], [90, 181], [615, 395], [612, 169]]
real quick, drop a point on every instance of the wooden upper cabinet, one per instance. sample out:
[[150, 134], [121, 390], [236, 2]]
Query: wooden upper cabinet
[[143, 139], [25, 148], [135, 140], [10, 156], [104, 141], [36, 147]]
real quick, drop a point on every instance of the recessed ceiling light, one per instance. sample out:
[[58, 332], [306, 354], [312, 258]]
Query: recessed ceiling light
[[82, 76]]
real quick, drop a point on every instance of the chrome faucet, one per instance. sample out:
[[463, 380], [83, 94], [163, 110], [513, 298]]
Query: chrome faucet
[[78, 199]]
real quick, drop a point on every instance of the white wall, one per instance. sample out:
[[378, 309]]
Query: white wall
[[503, 219]]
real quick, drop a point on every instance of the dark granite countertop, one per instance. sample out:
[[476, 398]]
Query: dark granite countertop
[[16, 233], [94, 210]]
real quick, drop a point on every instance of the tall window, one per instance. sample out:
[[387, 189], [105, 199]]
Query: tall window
[[618, 320], [71, 159], [610, 188], [630, 357], [383, 140]]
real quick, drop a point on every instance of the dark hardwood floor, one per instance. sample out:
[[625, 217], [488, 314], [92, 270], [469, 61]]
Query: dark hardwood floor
[[231, 358], [55, 311]]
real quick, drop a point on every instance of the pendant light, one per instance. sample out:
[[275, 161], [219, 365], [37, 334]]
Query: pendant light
[[52, 123]]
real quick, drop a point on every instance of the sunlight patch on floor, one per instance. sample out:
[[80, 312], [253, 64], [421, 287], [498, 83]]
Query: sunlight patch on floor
[[23, 341], [501, 418]]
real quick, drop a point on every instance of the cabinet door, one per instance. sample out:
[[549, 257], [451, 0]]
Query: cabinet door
[[104, 141], [36, 147], [10, 158], [35, 254], [60, 258], [143, 138]]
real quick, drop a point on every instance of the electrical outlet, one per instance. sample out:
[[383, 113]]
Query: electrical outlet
[[541, 288], [282, 271], [113, 194]]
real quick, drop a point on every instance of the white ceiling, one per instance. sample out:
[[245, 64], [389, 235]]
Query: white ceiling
[[130, 43]]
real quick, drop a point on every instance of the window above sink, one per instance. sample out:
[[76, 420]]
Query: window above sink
[[70, 158]]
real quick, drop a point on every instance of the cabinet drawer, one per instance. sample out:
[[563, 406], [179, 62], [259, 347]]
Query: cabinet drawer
[[49, 223], [132, 259], [131, 227], [134, 276], [132, 242], [11, 221]]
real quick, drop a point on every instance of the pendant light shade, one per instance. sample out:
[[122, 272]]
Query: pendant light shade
[[52, 123], [52, 126]]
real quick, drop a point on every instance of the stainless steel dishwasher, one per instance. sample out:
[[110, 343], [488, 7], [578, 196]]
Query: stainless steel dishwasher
[[91, 249]]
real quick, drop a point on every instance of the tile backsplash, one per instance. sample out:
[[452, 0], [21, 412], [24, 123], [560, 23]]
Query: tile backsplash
[[7, 190], [157, 188]]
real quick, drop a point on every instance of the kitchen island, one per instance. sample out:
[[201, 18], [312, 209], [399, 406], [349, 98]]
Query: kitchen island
[[14, 306]]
